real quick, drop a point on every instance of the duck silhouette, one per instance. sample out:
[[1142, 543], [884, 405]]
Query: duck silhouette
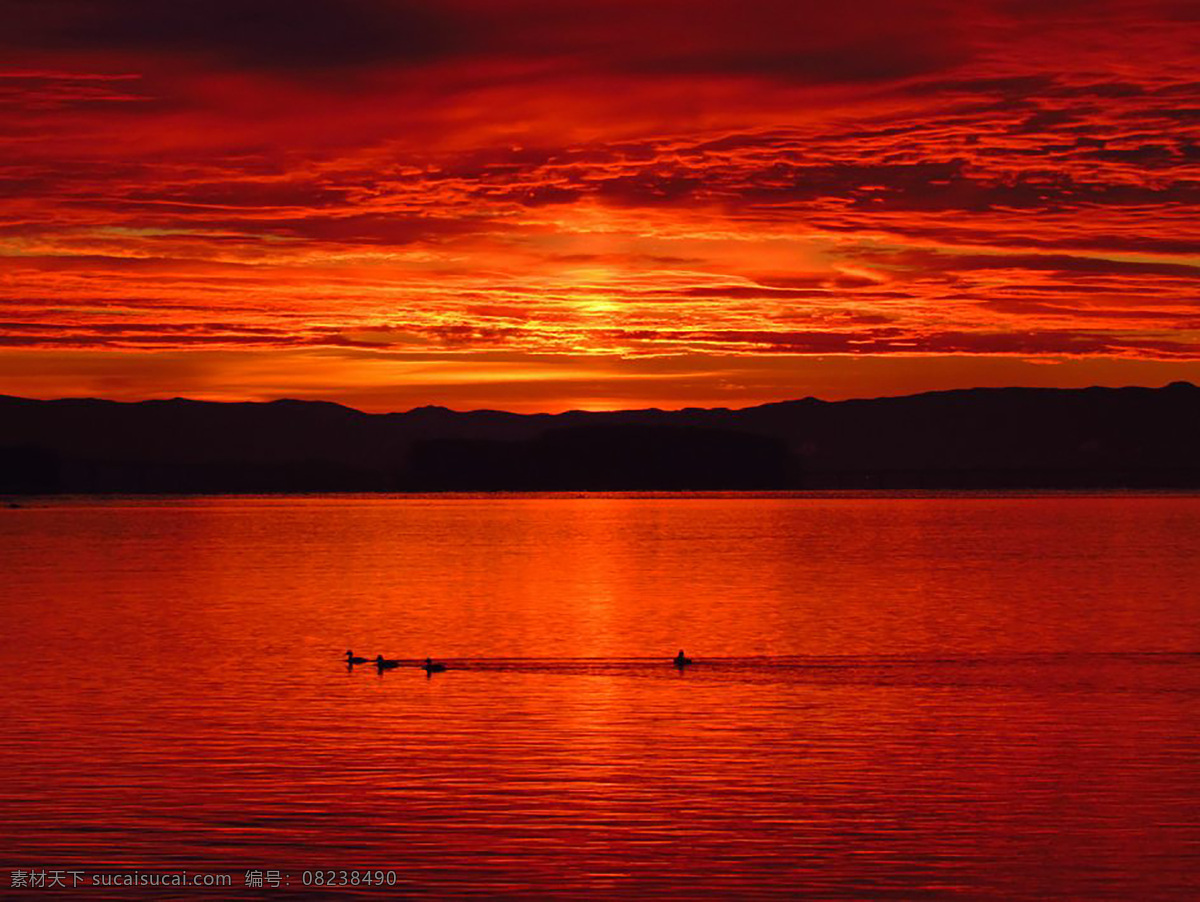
[[681, 660], [430, 667], [352, 659], [384, 664]]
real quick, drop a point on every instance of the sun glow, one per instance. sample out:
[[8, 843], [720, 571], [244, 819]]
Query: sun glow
[[719, 204]]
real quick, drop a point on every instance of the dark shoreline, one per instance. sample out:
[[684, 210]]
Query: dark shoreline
[[1095, 439]]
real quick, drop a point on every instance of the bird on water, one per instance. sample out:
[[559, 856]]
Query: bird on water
[[430, 667], [681, 660], [384, 664], [352, 658]]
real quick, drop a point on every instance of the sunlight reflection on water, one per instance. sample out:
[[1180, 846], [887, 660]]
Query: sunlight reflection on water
[[904, 696]]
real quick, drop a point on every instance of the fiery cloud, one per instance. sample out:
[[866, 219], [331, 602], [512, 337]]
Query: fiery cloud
[[538, 205]]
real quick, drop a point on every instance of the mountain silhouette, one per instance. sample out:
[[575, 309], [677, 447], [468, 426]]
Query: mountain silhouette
[[964, 439]]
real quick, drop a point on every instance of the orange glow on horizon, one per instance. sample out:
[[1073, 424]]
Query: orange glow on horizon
[[534, 207]]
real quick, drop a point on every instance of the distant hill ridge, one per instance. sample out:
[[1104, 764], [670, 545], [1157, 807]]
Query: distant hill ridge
[[967, 438]]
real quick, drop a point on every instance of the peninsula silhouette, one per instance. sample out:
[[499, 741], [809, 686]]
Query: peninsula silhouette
[[963, 439]]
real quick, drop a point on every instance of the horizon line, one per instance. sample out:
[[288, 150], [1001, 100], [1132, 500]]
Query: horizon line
[[1180, 383]]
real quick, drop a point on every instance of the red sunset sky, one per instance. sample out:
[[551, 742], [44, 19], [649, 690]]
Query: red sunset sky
[[542, 204]]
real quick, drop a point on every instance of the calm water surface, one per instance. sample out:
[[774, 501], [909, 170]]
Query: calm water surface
[[896, 697]]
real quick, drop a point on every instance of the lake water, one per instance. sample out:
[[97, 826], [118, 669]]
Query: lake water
[[893, 696]]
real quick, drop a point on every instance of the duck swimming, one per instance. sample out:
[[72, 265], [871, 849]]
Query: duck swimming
[[384, 664], [681, 660], [352, 659], [430, 667]]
